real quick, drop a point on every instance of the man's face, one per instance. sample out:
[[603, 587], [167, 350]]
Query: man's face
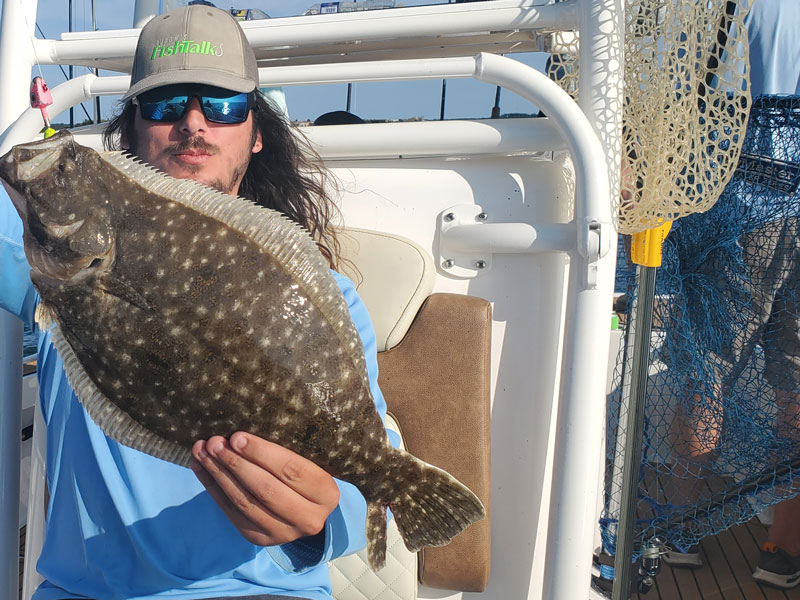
[[215, 154]]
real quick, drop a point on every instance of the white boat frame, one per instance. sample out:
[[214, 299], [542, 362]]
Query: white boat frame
[[444, 41]]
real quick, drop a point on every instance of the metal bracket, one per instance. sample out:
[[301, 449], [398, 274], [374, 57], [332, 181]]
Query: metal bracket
[[593, 244], [468, 239], [457, 257]]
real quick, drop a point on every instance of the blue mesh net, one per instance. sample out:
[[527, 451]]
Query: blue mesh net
[[722, 425]]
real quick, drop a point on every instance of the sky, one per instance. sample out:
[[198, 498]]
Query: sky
[[387, 100]]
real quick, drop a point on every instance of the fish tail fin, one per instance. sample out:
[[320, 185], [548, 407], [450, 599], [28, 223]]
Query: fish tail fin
[[435, 510], [376, 535]]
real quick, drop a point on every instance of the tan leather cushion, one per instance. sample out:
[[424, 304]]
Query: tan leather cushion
[[436, 382]]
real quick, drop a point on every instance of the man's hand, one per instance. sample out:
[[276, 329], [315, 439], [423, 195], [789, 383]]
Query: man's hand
[[271, 494]]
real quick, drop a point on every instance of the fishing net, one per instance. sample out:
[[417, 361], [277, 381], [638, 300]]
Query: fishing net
[[686, 96], [722, 425]]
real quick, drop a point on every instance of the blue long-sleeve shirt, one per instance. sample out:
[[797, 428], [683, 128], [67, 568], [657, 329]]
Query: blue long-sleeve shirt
[[773, 27], [122, 524]]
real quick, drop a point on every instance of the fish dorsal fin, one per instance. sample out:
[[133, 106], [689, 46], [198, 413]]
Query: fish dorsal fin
[[290, 244], [111, 419]]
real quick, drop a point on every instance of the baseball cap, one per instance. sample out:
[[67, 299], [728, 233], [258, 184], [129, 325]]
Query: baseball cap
[[193, 44]]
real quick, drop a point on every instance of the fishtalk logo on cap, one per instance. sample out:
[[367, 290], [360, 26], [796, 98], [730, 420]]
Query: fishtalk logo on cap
[[186, 47], [195, 44]]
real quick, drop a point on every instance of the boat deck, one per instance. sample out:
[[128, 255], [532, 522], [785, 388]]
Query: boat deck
[[729, 558]]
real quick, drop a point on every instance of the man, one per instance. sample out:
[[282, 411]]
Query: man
[[774, 42], [250, 519]]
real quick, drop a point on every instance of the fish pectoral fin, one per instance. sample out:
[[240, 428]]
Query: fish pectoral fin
[[123, 291]]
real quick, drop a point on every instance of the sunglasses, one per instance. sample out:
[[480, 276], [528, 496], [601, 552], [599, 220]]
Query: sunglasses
[[167, 104]]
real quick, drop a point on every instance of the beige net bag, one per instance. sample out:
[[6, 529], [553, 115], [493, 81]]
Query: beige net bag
[[686, 104]]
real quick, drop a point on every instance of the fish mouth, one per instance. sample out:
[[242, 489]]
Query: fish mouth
[[50, 270], [26, 162]]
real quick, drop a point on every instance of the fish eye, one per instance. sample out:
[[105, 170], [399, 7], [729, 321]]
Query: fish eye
[[62, 166]]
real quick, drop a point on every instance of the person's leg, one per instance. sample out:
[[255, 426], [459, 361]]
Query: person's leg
[[785, 529], [697, 426], [694, 435], [779, 564]]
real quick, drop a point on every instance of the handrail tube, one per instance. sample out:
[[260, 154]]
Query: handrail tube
[[69, 94], [357, 72], [10, 426], [436, 138], [340, 28], [591, 206], [509, 238], [16, 60], [87, 86], [579, 432], [591, 179]]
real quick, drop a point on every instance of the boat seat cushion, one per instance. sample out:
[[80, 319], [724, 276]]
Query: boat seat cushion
[[393, 276], [436, 383], [434, 371]]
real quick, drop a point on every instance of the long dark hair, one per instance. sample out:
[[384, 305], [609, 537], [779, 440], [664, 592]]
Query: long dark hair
[[286, 175]]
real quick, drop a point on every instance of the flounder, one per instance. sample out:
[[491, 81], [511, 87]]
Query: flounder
[[181, 313]]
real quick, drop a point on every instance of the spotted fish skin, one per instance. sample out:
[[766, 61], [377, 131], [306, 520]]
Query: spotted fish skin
[[182, 313]]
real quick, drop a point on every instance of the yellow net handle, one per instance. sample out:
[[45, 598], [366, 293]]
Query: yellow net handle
[[646, 245]]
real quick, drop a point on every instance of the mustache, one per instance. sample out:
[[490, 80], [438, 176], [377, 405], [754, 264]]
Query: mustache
[[193, 143]]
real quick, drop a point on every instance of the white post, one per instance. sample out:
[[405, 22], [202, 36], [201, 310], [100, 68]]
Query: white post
[[144, 10], [16, 59], [582, 406]]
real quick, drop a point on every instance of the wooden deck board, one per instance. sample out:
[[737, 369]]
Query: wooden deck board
[[729, 559], [667, 586], [687, 584], [742, 572], [715, 561]]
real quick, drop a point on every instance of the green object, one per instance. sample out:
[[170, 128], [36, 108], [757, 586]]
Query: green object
[[614, 321]]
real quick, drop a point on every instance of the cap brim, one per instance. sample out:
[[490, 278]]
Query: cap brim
[[223, 79]]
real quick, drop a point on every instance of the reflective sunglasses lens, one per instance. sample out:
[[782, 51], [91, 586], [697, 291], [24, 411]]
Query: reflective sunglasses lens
[[168, 110], [229, 109]]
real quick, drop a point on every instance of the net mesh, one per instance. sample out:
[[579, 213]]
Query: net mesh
[[686, 96], [722, 428]]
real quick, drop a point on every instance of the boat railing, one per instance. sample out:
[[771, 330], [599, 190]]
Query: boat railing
[[588, 129]]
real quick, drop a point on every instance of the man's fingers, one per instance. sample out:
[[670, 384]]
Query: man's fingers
[[251, 532], [295, 471], [262, 499]]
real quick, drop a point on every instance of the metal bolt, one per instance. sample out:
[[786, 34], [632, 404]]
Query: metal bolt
[[483, 216], [449, 217], [448, 263], [481, 264]]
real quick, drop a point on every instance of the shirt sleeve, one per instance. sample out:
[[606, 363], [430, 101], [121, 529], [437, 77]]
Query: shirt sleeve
[[344, 531], [17, 294]]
